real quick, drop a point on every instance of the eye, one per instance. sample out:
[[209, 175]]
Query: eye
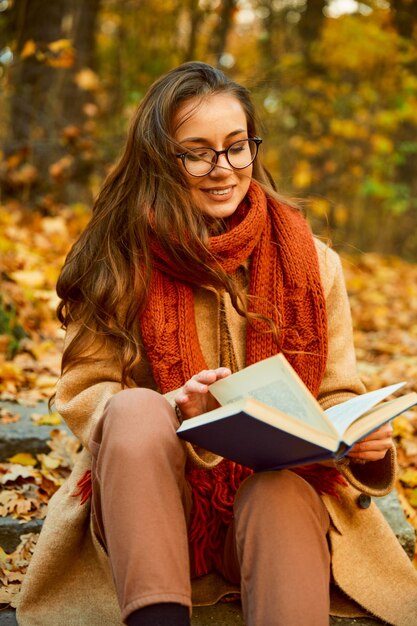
[[199, 154], [239, 146]]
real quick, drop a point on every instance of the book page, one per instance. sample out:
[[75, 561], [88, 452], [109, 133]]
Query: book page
[[344, 414], [377, 416], [273, 382]]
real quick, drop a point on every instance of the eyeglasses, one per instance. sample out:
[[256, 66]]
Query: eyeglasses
[[202, 161]]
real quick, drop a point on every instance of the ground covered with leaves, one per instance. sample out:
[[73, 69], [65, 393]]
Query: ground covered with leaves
[[383, 297]]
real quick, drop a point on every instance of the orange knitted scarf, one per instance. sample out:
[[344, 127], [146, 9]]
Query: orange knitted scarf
[[284, 285]]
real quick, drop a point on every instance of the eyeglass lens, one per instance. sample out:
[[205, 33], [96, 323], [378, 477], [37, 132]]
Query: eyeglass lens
[[239, 155]]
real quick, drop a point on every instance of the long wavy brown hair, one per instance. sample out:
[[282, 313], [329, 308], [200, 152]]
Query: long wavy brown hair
[[103, 284]]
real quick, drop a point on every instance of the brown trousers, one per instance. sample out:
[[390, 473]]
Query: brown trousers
[[276, 547]]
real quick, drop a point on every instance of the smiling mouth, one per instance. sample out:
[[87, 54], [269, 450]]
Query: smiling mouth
[[219, 192]]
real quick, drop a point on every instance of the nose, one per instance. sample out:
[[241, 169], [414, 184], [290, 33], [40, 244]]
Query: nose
[[222, 167]]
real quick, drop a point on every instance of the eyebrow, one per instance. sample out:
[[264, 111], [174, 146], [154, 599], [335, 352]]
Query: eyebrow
[[205, 140]]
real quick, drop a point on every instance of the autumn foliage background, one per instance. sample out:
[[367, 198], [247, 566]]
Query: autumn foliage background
[[335, 84]]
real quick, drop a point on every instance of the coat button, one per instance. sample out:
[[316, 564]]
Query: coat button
[[364, 501]]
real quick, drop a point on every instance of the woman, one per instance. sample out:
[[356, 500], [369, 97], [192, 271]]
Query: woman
[[192, 267]]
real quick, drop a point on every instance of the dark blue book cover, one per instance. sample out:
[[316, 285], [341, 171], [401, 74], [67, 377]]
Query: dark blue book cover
[[243, 438]]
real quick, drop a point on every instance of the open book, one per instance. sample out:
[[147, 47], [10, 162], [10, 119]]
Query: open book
[[270, 420]]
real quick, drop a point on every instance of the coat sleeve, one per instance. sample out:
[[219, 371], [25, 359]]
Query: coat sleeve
[[84, 389], [341, 380]]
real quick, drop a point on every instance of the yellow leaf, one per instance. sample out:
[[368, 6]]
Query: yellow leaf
[[62, 54], [382, 144], [60, 44], [320, 206], [341, 214], [402, 427], [23, 458], [11, 372], [27, 278], [409, 478], [413, 498], [28, 49], [47, 419], [46, 381], [49, 462], [302, 175]]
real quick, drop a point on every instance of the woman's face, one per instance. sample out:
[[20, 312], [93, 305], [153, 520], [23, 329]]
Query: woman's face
[[214, 122]]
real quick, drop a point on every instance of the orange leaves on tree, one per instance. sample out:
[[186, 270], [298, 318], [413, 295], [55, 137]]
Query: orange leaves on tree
[[59, 53], [61, 170], [302, 176], [29, 49]]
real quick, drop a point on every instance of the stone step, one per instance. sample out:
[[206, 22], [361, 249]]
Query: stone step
[[228, 614], [7, 617], [391, 508], [24, 435], [12, 529]]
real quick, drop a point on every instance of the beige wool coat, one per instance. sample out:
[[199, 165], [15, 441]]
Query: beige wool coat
[[69, 581]]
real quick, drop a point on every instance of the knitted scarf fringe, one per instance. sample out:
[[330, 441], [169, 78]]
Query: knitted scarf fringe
[[322, 478], [213, 497]]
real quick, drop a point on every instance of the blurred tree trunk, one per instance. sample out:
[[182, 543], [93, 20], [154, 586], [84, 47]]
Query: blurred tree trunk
[[309, 27], [195, 16], [31, 102], [84, 22], [222, 29], [74, 98], [404, 14], [270, 48], [44, 97], [404, 17]]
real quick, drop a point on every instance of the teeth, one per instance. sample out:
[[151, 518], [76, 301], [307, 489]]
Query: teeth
[[219, 192]]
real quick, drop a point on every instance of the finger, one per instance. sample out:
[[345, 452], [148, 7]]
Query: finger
[[195, 386], [376, 444], [206, 377], [181, 398], [222, 372], [383, 431], [369, 456], [191, 388]]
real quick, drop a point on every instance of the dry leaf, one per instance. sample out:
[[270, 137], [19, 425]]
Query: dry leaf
[[7, 417], [46, 419], [23, 458], [409, 477], [28, 49]]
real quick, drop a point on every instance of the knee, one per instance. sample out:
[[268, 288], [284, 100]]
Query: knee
[[275, 491], [138, 415]]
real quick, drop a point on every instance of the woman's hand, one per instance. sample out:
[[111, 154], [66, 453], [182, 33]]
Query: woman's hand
[[194, 397], [374, 446]]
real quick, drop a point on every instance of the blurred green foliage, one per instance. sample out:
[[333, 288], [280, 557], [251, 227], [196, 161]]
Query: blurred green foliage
[[10, 327]]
